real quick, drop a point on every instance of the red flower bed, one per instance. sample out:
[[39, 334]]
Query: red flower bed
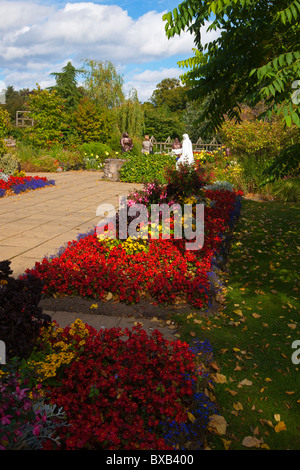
[[18, 184], [123, 389], [165, 273]]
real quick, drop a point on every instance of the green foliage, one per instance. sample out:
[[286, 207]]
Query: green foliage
[[256, 57], [47, 111], [103, 84], [5, 125], [131, 116], [9, 163], [253, 138], [162, 124], [171, 94], [15, 101], [86, 121], [286, 164], [286, 190], [66, 85], [146, 168], [93, 149]]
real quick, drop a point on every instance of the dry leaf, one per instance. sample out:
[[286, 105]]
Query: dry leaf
[[191, 417], [245, 382], [238, 406], [251, 441], [217, 424], [109, 296], [277, 417], [255, 315], [280, 426], [226, 444], [220, 378], [232, 392]]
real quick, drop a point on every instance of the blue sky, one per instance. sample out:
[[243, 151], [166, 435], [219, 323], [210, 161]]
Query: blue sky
[[38, 37]]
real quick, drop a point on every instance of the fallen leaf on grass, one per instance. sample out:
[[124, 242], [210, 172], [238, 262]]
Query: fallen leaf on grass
[[232, 392], [217, 425], [255, 315], [238, 406], [245, 382], [251, 441], [226, 444], [277, 417], [280, 426], [220, 378]]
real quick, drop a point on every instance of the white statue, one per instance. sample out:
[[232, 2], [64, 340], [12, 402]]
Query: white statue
[[187, 155]]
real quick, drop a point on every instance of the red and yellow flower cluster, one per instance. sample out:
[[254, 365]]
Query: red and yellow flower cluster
[[112, 401], [164, 272]]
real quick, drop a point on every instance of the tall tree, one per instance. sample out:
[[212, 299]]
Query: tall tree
[[169, 93], [103, 84], [66, 85], [15, 101], [131, 116], [255, 57]]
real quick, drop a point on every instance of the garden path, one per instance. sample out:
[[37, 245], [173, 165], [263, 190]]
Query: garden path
[[36, 224]]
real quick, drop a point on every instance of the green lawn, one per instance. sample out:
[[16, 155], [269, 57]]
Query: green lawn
[[253, 332]]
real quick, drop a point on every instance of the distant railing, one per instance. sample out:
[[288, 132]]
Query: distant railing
[[166, 147], [22, 119]]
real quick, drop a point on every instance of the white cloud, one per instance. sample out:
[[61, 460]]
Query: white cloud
[[36, 39]]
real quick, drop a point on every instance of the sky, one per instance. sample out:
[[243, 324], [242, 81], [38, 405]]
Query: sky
[[38, 37]]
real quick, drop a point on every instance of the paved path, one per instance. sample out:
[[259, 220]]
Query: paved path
[[36, 224]]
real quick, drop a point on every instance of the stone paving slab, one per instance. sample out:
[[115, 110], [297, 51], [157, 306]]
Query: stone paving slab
[[48, 218], [104, 321]]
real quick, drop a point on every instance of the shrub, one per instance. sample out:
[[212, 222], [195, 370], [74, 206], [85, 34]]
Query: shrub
[[47, 110], [5, 125], [20, 316], [254, 139], [9, 163], [286, 190], [26, 425], [145, 168], [187, 180]]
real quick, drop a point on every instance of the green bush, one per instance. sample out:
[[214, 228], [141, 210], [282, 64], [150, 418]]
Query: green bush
[[47, 111], [146, 168], [95, 148], [286, 190], [9, 163]]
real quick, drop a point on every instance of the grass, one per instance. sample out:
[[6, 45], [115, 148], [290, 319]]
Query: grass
[[253, 332]]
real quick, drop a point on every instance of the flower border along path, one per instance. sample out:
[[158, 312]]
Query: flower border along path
[[18, 184], [161, 271]]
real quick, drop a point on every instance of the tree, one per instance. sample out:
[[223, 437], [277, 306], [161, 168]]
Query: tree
[[255, 57], [169, 93], [15, 101], [47, 109], [66, 85], [162, 124], [87, 121], [131, 116], [103, 84]]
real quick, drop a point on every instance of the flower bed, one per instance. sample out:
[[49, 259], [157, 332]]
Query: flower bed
[[159, 270], [110, 390], [18, 184]]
